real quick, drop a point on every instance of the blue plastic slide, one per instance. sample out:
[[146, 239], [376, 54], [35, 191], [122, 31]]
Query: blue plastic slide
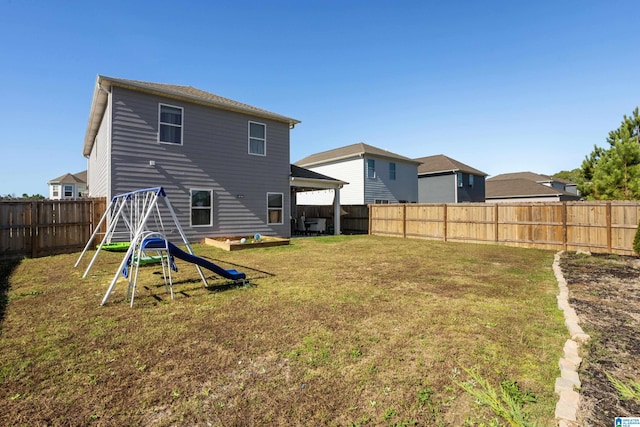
[[157, 243]]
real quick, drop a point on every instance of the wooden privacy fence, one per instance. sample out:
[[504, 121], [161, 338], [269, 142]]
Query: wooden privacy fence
[[47, 227], [606, 227]]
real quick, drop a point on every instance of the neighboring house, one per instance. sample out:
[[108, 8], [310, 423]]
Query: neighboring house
[[373, 176], [442, 179], [224, 165], [68, 186], [530, 187]]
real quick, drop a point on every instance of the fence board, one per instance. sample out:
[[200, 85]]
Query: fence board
[[47, 227], [425, 221], [601, 226]]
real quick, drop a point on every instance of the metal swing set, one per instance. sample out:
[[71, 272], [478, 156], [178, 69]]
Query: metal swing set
[[135, 211]]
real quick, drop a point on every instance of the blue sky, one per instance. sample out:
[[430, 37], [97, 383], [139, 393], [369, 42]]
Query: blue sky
[[503, 86]]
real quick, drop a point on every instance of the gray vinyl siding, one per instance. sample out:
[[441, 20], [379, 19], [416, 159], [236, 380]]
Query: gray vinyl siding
[[403, 188], [437, 189], [214, 155], [468, 193], [98, 161], [444, 189]]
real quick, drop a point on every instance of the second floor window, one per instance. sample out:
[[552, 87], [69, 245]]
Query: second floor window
[[170, 124], [371, 168], [68, 191], [392, 171], [257, 139]]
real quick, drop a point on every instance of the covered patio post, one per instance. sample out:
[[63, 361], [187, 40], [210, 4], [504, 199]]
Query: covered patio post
[[336, 211]]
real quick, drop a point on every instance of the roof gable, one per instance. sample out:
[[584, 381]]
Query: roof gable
[[441, 163], [351, 151]]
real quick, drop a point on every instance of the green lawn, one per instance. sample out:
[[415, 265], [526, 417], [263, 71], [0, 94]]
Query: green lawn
[[345, 330]]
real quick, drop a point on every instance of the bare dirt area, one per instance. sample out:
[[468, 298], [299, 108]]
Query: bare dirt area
[[605, 292]]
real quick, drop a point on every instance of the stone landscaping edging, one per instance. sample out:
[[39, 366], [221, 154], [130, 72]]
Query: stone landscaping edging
[[567, 384]]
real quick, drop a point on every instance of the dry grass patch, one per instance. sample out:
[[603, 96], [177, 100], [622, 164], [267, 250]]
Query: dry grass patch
[[349, 330]]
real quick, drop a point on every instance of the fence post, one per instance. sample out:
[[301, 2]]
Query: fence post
[[404, 221], [370, 220], [608, 215], [497, 225], [565, 231], [444, 235], [35, 222]]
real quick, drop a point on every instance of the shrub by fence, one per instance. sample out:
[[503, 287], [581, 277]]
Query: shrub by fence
[[47, 227], [607, 227]]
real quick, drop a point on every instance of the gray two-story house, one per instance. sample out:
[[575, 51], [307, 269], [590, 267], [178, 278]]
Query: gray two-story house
[[442, 179], [373, 175], [223, 164]]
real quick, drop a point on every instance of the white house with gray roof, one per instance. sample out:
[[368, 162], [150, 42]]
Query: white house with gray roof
[[68, 186], [373, 175], [223, 164]]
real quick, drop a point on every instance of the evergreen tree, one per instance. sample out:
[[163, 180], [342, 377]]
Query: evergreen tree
[[614, 173]]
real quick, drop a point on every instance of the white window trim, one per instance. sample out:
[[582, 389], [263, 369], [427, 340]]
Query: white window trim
[[64, 191], [281, 209], [160, 105], [191, 190], [264, 140], [372, 176]]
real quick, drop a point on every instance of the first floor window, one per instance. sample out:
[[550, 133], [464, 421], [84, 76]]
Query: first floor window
[[275, 208], [68, 191], [257, 139], [170, 124], [201, 207], [381, 202]]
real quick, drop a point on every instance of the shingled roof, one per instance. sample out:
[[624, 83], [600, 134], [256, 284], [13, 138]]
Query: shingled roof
[[350, 151], [298, 172], [179, 92], [70, 178], [520, 188], [531, 176], [441, 163]]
